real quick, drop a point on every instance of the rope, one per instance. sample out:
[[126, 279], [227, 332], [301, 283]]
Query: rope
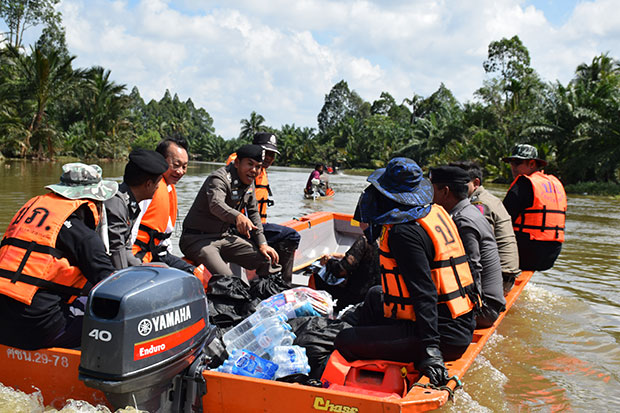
[[445, 387]]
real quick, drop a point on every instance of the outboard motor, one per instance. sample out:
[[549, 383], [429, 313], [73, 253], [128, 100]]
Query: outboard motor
[[142, 339]]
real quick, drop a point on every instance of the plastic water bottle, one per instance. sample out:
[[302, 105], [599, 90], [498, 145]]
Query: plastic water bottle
[[262, 339], [290, 360], [246, 363], [261, 314]]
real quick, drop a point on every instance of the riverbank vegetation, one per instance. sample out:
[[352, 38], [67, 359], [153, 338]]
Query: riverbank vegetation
[[50, 108]]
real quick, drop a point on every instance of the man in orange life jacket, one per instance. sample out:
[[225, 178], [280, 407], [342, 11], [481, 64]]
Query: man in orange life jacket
[[158, 216], [537, 204], [51, 254], [140, 181], [410, 317], [283, 239]]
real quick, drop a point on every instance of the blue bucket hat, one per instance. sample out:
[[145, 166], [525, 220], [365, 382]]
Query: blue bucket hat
[[402, 182], [409, 194]]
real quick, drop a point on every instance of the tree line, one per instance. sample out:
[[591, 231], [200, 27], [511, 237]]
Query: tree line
[[49, 108]]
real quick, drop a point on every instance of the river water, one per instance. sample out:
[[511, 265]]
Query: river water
[[556, 350]]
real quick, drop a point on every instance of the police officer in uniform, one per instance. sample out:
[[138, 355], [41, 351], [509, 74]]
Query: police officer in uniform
[[140, 181], [223, 224], [450, 191]]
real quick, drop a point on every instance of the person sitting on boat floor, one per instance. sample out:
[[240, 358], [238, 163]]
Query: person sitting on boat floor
[[349, 276], [316, 181], [50, 258], [494, 211], [537, 204], [424, 310], [140, 181], [223, 224], [283, 239], [450, 191], [153, 228]]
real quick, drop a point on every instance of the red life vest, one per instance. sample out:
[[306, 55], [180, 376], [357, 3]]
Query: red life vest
[[29, 259], [155, 224], [545, 219], [449, 270], [261, 189]]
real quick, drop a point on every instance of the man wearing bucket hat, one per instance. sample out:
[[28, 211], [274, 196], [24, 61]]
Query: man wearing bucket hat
[[450, 191], [50, 255], [411, 317], [140, 181], [223, 224], [537, 204], [283, 239]]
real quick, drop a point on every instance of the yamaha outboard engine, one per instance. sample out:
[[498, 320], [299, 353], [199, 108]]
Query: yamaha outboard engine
[[142, 339]]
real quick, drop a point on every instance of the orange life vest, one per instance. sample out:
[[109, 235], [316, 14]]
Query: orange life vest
[[545, 219], [261, 189], [155, 224], [449, 270], [29, 259]]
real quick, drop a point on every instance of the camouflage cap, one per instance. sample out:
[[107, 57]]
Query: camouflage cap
[[525, 151], [81, 181]]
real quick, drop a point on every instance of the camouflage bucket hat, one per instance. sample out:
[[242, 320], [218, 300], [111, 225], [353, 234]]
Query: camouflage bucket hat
[[524, 151], [81, 181]]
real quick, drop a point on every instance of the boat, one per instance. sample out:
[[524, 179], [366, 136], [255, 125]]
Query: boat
[[315, 195], [59, 375]]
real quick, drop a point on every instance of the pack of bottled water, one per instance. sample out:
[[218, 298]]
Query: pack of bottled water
[[290, 360], [246, 363], [262, 338]]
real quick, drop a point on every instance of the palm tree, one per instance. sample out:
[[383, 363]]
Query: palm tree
[[44, 77], [103, 110], [250, 126]]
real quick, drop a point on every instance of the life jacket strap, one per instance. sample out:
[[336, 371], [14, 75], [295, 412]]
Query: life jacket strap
[[45, 284]]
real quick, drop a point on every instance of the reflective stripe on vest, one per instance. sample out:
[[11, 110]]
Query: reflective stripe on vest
[[28, 257], [261, 189], [545, 219], [450, 270], [157, 222]]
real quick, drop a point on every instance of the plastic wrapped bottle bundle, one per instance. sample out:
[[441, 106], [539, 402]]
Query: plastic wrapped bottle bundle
[[263, 338], [260, 315], [246, 363], [290, 360]]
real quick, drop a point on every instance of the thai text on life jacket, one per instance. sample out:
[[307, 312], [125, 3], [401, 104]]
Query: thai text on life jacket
[[450, 270], [28, 257], [546, 218]]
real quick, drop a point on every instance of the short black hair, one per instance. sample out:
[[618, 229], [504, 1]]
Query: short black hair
[[164, 144], [473, 169], [459, 190]]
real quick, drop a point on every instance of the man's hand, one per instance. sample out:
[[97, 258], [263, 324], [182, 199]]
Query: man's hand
[[432, 367], [269, 253], [244, 225]]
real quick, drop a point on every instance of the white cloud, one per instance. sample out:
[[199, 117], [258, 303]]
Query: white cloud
[[281, 58]]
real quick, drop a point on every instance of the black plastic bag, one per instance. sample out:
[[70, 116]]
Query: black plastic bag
[[317, 335]]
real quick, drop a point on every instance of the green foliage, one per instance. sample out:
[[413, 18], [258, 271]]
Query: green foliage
[[48, 108]]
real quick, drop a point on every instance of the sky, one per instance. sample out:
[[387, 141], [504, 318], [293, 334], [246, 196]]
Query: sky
[[281, 58]]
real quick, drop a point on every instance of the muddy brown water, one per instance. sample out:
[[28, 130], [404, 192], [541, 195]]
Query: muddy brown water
[[557, 349]]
